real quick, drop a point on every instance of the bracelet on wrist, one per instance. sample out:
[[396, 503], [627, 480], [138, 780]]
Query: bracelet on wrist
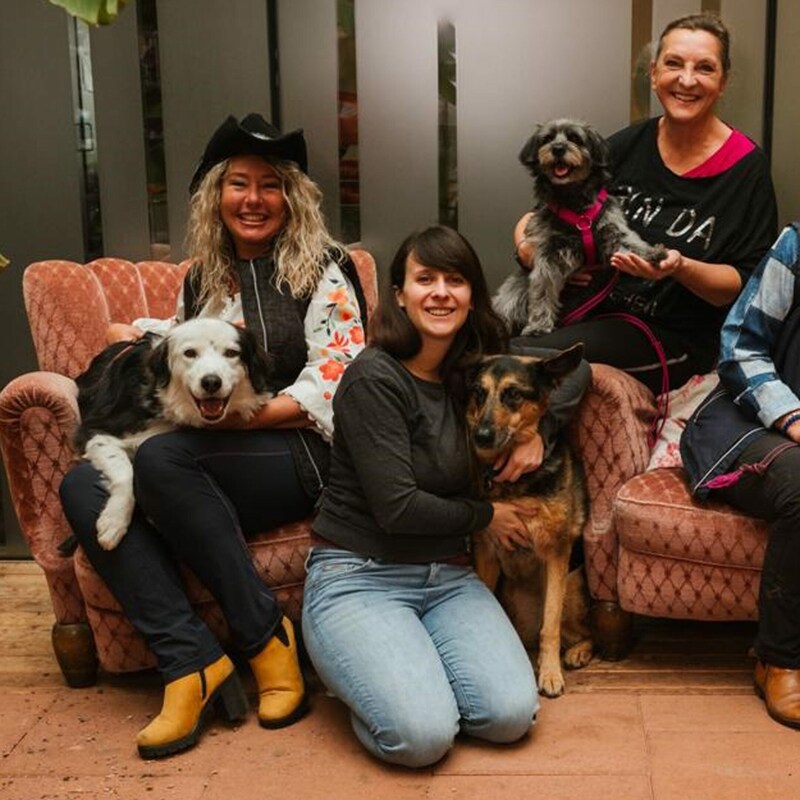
[[789, 421]]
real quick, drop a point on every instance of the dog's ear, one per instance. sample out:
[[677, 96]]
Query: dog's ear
[[471, 372], [529, 155], [159, 363], [551, 371], [599, 151], [259, 364]]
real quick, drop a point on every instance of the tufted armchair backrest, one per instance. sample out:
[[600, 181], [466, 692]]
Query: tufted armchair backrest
[[70, 305]]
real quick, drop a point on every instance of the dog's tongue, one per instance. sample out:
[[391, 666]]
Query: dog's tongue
[[561, 171], [212, 408]]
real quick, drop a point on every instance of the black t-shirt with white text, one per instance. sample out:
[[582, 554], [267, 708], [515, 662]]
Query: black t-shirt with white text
[[729, 218]]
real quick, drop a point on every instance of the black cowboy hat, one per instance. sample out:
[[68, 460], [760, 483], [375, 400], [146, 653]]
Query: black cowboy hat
[[252, 136]]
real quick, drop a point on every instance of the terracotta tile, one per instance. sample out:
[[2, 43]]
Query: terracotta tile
[[311, 781], [21, 711], [574, 735], [54, 787], [705, 713], [725, 766], [92, 732], [551, 787]]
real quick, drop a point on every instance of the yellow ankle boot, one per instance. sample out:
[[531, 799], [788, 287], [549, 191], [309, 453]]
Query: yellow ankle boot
[[187, 702], [281, 690]]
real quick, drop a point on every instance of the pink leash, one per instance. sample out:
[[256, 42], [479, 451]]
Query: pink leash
[[759, 468], [662, 401], [583, 222]]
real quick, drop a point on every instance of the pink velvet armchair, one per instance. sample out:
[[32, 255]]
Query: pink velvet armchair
[[651, 549], [69, 307]]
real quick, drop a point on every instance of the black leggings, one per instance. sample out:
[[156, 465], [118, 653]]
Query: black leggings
[[621, 344], [199, 495], [775, 497]]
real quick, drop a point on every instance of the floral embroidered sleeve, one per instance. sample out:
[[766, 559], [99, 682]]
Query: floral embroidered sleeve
[[334, 337]]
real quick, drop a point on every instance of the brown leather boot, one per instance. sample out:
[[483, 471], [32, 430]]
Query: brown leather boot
[[281, 689], [780, 690], [187, 703]]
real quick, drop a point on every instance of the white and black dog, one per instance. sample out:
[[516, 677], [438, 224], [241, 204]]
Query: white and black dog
[[575, 225], [199, 373]]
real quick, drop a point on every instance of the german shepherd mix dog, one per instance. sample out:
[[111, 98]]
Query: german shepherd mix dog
[[546, 603]]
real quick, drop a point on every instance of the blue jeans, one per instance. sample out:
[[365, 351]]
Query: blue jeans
[[417, 652]]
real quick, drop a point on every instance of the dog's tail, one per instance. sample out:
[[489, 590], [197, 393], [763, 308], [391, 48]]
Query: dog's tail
[[511, 301]]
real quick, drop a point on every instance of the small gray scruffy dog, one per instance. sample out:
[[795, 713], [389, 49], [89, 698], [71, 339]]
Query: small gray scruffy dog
[[575, 225]]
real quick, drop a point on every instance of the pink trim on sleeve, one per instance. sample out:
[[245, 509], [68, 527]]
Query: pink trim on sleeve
[[732, 150]]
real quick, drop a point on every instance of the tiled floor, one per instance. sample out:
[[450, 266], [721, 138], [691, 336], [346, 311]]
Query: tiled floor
[[676, 720]]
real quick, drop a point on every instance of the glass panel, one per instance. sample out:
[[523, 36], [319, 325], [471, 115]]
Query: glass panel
[[150, 66], [349, 190], [448, 126], [641, 55], [86, 141]]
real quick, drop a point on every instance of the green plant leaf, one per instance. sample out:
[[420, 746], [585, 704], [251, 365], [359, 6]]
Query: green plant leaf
[[95, 12], [4, 262]]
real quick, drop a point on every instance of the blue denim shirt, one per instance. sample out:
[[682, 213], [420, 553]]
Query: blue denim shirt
[[753, 329], [759, 367]]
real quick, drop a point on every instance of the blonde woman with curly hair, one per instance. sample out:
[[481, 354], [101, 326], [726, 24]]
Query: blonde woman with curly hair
[[262, 257]]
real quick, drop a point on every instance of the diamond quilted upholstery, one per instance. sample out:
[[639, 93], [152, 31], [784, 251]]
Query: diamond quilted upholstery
[[67, 313], [162, 283], [122, 287], [680, 558], [38, 414], [610, 434], [368, 275]]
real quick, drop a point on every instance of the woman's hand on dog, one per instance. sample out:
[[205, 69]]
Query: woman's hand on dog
[[525, 457], [507, 528], [122, 332], [641, 268]]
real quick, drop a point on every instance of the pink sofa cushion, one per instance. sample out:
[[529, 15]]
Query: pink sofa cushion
[[655, 514], [683, 559]]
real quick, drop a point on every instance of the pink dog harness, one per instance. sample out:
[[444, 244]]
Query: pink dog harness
[[583, 222]]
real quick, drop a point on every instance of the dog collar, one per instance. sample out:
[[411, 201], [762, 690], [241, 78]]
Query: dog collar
[[583, 222]]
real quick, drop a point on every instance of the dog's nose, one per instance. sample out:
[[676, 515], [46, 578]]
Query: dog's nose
[[483, 436], [211, 383], [558, 149]]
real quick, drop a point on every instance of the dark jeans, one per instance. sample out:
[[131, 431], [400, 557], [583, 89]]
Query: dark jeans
[[621, 344], [199, 495], [775, 497]]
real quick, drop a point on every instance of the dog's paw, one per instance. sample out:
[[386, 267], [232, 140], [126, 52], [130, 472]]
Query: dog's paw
[[657, 254], [535, 330], [112, 525], [109, 536], [579, 655], [551, 682]]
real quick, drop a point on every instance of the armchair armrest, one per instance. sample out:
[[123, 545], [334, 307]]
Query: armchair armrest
[[609, 433], [38, 417]]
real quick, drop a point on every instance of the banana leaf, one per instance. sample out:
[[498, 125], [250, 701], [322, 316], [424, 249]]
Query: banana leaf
[[95, 12]]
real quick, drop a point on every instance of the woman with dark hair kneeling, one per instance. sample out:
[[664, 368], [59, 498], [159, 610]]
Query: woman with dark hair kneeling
[[395, 620]]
